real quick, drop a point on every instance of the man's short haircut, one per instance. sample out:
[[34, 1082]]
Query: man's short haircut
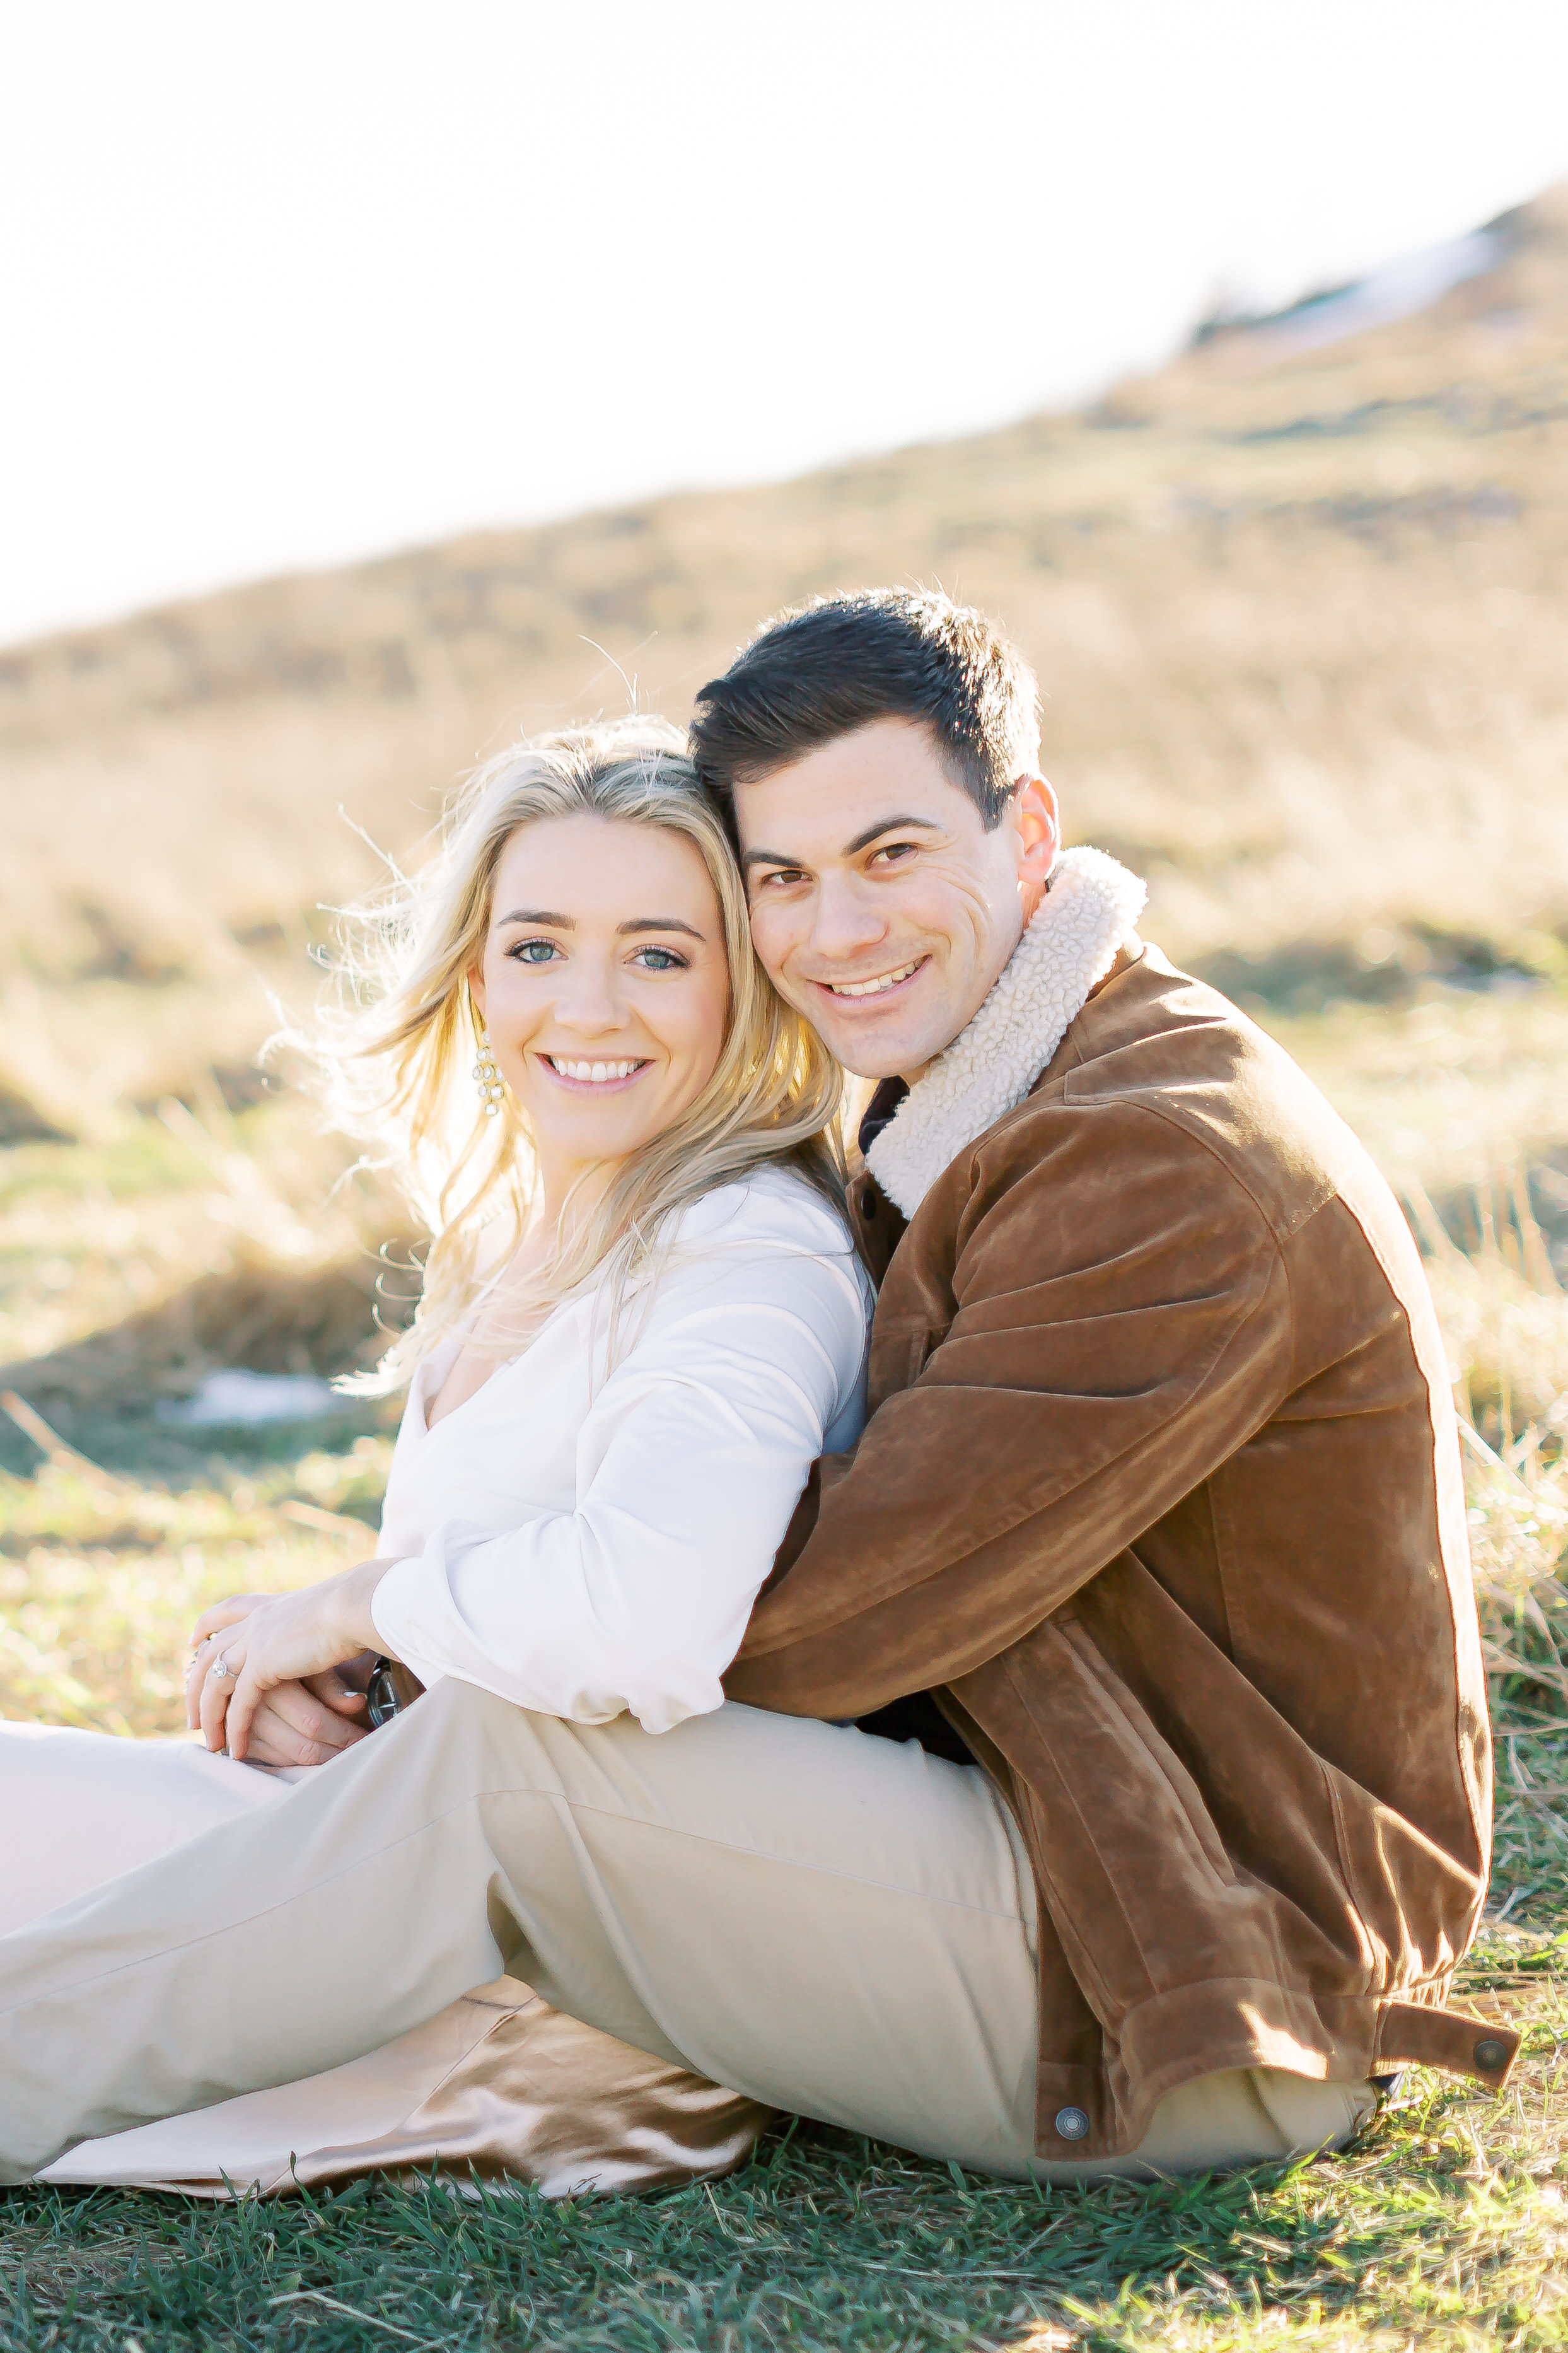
[[841, 663]]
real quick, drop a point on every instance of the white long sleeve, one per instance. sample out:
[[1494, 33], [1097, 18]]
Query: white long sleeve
[[685, 1463]]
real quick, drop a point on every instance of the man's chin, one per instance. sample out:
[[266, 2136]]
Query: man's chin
[[867, 1066], [870, 1054]]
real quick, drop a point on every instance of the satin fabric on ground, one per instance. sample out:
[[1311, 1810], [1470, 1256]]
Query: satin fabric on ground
[[497, 2084]]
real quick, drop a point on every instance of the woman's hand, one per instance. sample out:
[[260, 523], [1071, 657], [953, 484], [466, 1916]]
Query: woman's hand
[[253, 1642]]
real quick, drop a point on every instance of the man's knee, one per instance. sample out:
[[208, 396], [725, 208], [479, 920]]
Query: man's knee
[[462, 1729], [451, 1703], [454, 1735]]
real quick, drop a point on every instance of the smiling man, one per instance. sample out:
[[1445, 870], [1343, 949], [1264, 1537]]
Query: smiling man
[[1158, 1518], [889, 941]]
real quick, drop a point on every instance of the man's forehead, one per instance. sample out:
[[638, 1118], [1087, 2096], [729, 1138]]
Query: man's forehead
[[840, 795]]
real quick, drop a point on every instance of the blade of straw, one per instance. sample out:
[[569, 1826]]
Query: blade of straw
[[53, 1446]]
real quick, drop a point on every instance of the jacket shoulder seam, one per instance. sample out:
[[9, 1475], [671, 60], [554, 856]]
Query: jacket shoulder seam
[[1152, 1107]]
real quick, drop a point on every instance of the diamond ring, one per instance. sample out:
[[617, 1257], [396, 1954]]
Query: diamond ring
[[221, 1670]]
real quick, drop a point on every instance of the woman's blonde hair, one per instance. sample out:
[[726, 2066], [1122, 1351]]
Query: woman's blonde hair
[[396, 1056]]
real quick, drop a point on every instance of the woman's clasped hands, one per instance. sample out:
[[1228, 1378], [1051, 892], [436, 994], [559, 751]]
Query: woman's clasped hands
[[279, 1678]]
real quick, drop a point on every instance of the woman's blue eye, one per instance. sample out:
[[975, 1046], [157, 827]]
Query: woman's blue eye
[[660, 960], [533, 950]]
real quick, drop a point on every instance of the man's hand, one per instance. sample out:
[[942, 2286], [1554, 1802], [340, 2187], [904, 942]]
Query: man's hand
[[249, 1646], [315, 1720]]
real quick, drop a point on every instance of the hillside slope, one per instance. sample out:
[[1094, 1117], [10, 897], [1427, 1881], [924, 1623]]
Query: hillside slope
[[1293, 610]]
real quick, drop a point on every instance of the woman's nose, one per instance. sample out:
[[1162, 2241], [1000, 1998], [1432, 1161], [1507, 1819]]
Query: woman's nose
[[591, 1002]]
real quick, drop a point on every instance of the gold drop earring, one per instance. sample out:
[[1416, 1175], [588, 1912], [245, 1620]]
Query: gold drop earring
[[488, 1079]]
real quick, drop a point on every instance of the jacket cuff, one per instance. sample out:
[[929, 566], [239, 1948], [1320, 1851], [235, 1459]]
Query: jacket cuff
[[1411, 2035]]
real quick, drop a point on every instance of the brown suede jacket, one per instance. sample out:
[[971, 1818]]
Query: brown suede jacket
[[1160, 1496]]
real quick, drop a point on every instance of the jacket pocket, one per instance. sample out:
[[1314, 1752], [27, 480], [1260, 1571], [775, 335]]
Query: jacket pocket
[[1160, 1759]]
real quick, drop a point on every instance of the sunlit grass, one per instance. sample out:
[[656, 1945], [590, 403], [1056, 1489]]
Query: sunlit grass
[[1446, 2225], [100, 1580]]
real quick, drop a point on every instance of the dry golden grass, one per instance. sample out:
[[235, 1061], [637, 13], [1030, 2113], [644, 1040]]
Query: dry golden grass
[[101, 1578], [1295, 621], [1295, 617], [132, 1267]]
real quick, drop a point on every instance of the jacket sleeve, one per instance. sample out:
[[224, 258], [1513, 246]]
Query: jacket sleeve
[[1120, 1325]]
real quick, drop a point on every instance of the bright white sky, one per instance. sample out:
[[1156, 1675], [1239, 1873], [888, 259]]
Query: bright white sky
[[283, 284]]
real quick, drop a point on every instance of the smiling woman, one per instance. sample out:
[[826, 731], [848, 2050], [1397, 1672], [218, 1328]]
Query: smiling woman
[[605, 1026], [584, 931], [582, 1503]]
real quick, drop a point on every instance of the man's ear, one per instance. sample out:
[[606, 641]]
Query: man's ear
[[1039, 821]]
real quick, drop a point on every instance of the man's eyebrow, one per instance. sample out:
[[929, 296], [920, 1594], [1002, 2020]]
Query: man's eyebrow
[[538, 916], [659, 923], [888, 825], [851, 849]]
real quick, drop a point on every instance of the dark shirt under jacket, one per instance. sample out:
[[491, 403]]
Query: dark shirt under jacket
[[918, 1716]]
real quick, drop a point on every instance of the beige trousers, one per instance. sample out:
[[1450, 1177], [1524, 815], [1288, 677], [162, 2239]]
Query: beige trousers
[[829, 1922]]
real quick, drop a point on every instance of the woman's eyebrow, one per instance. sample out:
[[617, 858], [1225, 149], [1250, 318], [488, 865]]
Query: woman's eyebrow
[[538, 916], [659, 923]]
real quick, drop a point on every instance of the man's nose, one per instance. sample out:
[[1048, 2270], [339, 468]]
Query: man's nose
[[846, 920]]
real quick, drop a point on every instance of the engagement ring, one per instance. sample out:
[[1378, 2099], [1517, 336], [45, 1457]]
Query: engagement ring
[[222, 1670]]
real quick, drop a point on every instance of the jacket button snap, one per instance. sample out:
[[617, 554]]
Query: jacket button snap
[[1071, 2123], [1490, 2055]]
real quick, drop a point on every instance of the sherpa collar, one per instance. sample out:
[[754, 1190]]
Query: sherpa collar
[[1091, 905]]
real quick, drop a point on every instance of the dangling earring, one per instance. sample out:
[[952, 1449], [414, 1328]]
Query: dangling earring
[[488, 1079]]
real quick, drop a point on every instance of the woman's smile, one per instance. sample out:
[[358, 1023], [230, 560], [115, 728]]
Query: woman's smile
[[603, 1077]]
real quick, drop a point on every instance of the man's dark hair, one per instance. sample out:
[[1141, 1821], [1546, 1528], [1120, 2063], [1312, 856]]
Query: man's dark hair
[[840, 663]]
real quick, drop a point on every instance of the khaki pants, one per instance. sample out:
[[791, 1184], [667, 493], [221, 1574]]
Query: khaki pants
[[832, 1923]]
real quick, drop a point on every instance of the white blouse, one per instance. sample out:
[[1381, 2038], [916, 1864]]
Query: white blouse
[[587, 1532]]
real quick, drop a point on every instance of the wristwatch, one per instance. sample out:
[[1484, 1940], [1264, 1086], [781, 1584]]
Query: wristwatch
[[390, 1690]]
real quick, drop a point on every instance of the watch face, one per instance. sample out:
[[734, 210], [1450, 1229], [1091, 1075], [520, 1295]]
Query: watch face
[[382, 1695]]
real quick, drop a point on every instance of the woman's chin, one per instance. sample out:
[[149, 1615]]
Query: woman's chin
[[571, 1125], [598, 1133]]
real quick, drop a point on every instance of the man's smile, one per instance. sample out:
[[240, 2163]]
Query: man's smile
[[878, 984]]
